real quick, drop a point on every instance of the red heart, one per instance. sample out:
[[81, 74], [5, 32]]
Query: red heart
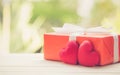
[[87, 56], [69, 53]]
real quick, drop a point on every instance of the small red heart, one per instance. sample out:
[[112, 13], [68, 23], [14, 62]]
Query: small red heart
[[69, 53], [87, 56]]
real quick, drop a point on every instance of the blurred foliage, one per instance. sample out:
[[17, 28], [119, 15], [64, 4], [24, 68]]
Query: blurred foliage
[[27, 33], [0, 16], [113, 22], [55, 12], [43, 16], [15, 9], [101, 9]]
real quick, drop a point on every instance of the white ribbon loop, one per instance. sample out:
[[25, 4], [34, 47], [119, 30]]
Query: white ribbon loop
[[70, 28]]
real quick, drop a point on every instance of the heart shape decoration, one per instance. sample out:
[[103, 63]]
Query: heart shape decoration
[[87, 56], [69, 53]]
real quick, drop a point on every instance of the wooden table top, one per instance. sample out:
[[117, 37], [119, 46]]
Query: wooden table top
[[34, 64]]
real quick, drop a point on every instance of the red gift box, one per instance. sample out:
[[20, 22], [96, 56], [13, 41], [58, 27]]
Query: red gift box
[[106, 45]]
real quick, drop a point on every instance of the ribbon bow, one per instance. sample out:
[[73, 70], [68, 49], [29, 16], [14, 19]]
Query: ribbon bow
[[70, 28]]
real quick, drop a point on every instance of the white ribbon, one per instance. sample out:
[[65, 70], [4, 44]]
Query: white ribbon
[[116, 48], [74, 31], [72, 37]]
